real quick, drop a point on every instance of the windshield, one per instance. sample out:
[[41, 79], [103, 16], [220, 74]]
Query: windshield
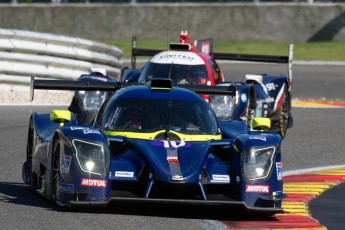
[[90, 100], [179, 74], [150, 115]]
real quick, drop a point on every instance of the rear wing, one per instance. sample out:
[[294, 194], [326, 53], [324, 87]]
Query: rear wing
[[260, 58], [202, 45], [140, 52], [114, 86], [206, 46], [72, 85]]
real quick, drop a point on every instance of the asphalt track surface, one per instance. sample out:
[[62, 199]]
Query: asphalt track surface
[[316, 140]]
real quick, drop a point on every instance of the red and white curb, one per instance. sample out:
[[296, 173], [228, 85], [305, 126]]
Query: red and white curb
[[317, 104]]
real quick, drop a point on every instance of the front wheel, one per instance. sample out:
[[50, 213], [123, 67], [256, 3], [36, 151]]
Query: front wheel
[[55, 170], [29, 175]]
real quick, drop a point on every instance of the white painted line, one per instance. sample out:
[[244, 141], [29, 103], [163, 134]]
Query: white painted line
[[307, 170]]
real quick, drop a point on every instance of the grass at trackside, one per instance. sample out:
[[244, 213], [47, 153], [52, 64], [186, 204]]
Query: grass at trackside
[[311, 51]]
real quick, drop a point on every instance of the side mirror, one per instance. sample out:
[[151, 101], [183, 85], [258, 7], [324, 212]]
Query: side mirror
[[130, 75], [60, 116], [261, 123]]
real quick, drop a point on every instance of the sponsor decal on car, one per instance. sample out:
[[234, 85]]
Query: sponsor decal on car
[[279, 170], [271, 86], [244, 97], [267, 134], [173, 145], [77, 128], [258, 188], [93, 183], [65, 163], [220, 178], [177, 56], [66, 188], [124, 174], [88, 131], [269, 99], [257, 138]]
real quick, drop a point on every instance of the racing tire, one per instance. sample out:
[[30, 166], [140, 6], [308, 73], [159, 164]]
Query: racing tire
[[55, 170], [29, 151], [281, 123]]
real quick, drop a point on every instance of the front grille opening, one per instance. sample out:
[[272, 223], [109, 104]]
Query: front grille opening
[[131, 189], [117, 147], [176, 191], [128, 189], [222, 153], [264, 203], [220, 192]]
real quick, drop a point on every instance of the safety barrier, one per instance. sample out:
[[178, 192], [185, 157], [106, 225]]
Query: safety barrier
[[235, 21], [43, 55]]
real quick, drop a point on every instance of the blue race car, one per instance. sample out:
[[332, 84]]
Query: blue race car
[[153, 143]]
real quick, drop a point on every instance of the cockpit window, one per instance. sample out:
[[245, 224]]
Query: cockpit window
[[179, 74], [151, 115]]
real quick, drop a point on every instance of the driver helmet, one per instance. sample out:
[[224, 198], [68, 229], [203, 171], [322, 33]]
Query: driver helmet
[[85, 104], [199, 77]]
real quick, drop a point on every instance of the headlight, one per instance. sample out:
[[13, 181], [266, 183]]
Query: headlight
[[257, 163], [92, 157]]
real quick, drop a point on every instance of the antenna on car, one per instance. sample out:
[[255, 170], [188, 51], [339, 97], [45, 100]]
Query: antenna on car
[[167, 39], [166, 60], [167, 127]]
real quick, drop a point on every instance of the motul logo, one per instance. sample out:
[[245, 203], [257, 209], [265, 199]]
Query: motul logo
[[93, 183], [258, 188]]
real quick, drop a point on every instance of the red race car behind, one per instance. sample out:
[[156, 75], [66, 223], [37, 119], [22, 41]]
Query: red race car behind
[[185, 62]]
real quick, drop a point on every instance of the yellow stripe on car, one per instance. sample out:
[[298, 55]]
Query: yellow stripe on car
[[160, 88], [152, 135]]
